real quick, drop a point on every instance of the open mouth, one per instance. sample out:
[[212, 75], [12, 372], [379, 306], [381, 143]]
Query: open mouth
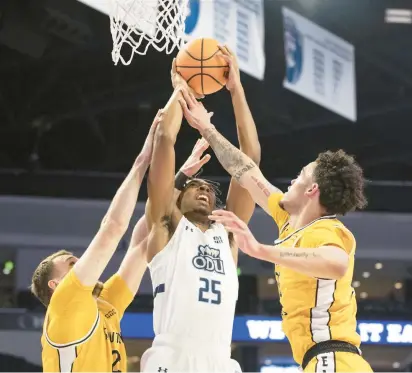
[[203, 197]]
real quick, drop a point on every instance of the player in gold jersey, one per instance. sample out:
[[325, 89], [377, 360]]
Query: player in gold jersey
[[314, 255], [81, 330]]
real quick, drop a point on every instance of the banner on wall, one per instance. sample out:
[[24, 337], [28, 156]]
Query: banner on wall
[[237, 23], [320, 66], [245, 328]]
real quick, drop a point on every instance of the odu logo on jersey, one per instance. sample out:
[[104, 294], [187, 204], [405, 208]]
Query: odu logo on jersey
[[293, 50], [209, 260]]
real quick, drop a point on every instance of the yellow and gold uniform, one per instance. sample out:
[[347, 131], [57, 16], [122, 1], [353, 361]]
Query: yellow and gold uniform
[[317, 310], [82, 334]]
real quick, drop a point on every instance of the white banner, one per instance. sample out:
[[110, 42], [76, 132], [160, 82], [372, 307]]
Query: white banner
[[320, 66], [237, 23]]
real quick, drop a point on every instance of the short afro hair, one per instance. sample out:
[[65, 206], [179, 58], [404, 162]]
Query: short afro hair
[[341, 182]]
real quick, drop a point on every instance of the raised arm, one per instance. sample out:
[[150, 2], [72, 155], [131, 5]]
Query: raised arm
[[134, 263], [161, 181], [239, 200], [162, 168], [92, 263], [122, 287], [239, 165]]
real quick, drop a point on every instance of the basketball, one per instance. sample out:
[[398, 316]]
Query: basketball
[[201, 65]]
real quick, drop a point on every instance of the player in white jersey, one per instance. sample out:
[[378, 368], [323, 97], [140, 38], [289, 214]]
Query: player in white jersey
[[192, 260]]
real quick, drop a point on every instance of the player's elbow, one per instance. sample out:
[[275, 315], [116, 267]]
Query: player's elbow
[[164, 137], [114, 227], [339, 265], [255, 154], [338, 270]]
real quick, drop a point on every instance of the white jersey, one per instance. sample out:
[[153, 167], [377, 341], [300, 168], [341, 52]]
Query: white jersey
[[195, 285]]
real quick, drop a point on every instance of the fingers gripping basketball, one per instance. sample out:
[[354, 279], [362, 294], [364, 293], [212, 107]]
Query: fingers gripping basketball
[[202, 66]]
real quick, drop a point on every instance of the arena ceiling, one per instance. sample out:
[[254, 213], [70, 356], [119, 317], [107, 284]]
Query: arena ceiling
[[64, 106]]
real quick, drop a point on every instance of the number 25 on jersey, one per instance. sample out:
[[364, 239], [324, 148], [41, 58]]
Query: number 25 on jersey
[[209, 291]]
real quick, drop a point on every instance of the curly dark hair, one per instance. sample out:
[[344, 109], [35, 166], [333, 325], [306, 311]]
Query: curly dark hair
[[341, 182], [212, 184]]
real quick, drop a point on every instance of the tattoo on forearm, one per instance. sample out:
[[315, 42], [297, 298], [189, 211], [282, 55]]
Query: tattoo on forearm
[[262, 186], [231, 158], [303, 254]]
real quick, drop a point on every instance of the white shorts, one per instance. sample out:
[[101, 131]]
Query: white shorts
[[169, 354]]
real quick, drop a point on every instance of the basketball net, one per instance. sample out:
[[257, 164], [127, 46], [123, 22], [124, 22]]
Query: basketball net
[[144, 23]]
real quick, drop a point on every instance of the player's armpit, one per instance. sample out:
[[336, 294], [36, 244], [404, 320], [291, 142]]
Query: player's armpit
[[72, 312], [117, 293]]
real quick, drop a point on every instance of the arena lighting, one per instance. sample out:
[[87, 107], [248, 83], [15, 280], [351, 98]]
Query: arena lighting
[[378, 265], [8, 267], [356, 284], [398, 16], [363, 295], [398, 285], [271, 281], [366, 274]]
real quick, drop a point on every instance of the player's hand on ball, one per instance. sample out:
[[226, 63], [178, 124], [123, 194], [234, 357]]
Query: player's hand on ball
[[233, 81], [146, 153], [179, 83], [241, 232], [195, 161], [195, 113]]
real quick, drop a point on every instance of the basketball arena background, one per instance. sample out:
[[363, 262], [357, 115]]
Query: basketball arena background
[[71, 124]]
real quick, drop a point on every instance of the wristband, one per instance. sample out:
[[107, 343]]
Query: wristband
[[180, 180]]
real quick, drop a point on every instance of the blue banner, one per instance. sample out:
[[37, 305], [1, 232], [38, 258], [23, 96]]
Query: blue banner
[[269, 329], [320, 66]]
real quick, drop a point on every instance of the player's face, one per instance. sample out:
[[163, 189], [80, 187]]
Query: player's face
[[300, 190], [61, 267], [198, 197]]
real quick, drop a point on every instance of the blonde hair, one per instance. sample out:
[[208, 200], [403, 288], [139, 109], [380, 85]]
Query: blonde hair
[[41, 276]]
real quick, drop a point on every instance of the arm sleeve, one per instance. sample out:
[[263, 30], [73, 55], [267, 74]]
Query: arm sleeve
[[279, 215], [72, 313], [328, 236], [117, 293]]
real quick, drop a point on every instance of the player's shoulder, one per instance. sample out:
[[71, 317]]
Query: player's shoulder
[[333, 226]]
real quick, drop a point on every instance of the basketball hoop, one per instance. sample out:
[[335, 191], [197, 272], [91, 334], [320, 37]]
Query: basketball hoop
[[144, 23]]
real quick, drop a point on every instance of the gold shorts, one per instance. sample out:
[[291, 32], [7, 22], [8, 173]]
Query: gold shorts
[[338, 362]]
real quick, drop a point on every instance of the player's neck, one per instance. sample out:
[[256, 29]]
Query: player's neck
[[305, 216], [201, 221]]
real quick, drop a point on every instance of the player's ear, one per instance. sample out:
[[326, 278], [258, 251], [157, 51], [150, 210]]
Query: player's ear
[[52, 284], [312, 190]]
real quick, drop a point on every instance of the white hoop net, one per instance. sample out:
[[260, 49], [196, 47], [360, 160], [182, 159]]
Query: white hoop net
[[144, 23]]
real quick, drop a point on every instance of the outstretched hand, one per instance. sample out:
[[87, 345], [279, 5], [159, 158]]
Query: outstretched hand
[[195, 113], [195, 161], [233, 81], [179, 83], [241, 232]]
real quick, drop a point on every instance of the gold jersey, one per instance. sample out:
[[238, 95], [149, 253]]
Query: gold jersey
[[315, 309], [81, 333]]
